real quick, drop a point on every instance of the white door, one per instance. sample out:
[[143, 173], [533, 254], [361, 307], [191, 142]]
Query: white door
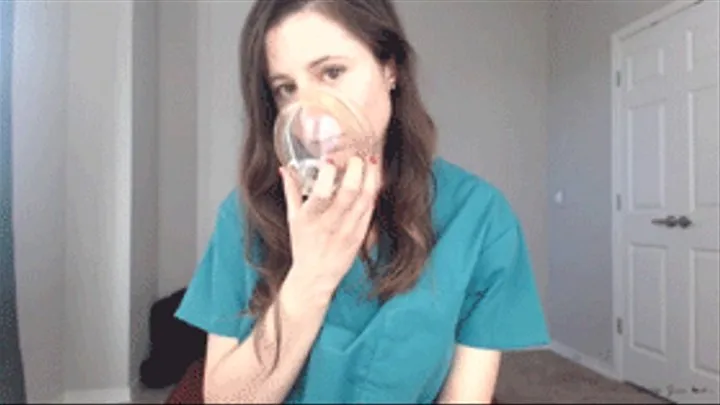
[[670, 232]]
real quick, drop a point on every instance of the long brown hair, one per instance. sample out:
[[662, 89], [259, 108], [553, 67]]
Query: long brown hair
[[403, 214]]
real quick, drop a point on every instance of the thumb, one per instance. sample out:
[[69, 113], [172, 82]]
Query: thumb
[[293, 199]]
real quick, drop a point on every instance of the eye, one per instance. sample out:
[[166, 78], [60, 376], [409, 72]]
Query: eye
[[284, 90], [334, 72]]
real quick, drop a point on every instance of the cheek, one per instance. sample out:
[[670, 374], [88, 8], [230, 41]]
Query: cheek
[[378, 110], [371, 96]]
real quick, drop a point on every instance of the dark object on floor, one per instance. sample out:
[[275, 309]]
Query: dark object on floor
[[174, 345], [189, 389]]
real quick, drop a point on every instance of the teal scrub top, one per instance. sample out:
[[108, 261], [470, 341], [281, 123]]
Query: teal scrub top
[[477, 290]]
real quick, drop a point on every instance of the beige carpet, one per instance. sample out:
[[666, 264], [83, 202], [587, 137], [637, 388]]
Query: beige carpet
[[531, 377], [544, 377]]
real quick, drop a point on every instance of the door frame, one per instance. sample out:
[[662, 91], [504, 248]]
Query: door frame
[[617, 198]]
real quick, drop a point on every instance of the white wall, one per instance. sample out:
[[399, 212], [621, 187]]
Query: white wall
[[177, 120], [199, 128], [85, 194], [219, 117], [484, 77], [39, 142], [580, 281], [144, 179], [98, 170]]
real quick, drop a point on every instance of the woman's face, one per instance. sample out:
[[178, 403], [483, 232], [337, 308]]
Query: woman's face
[[308, 51]]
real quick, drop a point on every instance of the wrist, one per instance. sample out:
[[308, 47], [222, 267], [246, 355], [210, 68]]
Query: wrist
[[298, 292]]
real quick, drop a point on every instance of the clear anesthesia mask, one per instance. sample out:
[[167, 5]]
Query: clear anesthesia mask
[[321, 126]]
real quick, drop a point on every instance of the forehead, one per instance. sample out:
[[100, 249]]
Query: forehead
[[304, 37]]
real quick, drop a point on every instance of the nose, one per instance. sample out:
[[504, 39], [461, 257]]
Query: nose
[[306, 89], [318, 125]]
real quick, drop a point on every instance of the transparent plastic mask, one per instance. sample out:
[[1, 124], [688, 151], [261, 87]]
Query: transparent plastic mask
[[321, 126]]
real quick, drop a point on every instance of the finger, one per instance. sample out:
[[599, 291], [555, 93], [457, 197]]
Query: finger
[[362, 225], [322, 190], [347, 193], [293, 199], [359, 215]]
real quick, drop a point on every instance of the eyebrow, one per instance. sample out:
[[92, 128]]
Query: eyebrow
[[311, 65]]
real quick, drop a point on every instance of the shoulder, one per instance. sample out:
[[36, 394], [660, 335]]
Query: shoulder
[[462, 196], [226, 246], [223, 281], [230, 207], [229, 223]]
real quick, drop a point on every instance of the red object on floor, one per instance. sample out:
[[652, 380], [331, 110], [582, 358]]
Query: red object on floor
[[189, 389]]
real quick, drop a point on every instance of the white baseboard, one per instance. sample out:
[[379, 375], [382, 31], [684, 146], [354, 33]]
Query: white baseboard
[[104, 396], [592, 363]]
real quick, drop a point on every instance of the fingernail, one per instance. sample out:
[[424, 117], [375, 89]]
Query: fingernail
[[373, 159], [332, 162]]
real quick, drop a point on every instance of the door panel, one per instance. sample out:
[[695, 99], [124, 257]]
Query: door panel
[[671, 141], [651, 195], [697, 88]]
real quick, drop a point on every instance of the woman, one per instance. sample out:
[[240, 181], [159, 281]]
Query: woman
[[403, 285]]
